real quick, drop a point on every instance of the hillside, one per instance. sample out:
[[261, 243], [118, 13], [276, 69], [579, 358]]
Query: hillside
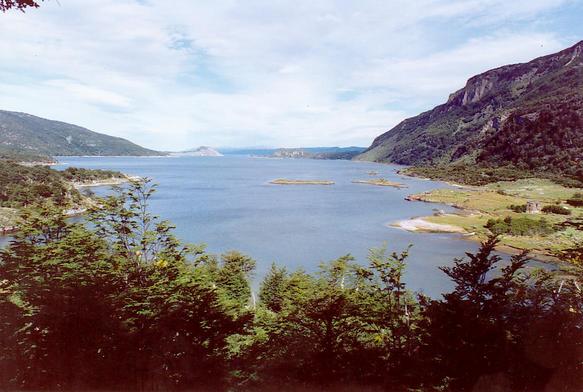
[[526, 116], [24, 135]]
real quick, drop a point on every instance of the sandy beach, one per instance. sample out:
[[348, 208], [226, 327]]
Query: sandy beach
[[421, 225]]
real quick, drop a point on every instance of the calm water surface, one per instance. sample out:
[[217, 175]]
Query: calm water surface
[[228, 203]]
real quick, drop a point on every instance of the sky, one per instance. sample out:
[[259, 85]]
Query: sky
[[172, 75]]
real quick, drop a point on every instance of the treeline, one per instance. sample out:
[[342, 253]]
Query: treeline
[[21, 186], [123, 305], [483, 174], [77, 174]]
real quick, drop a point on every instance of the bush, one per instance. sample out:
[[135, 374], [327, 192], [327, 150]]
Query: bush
[[519, 226], [575, 202], [555, 209], [517, 207]]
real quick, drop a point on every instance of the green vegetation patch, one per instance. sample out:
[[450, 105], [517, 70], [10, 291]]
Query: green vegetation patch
[[478, 175], [521, 226], [483, 211], [470, 199], [541, 189], [81, 175], [21, 186]]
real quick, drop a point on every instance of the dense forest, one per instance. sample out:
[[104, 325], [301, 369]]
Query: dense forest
[[549, 141], [121, 304]]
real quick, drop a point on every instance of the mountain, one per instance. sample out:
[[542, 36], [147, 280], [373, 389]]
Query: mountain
[[202, 151], [25, 135], [528, 116]]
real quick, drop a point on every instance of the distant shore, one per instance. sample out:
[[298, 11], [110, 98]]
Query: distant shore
[[285, 181]]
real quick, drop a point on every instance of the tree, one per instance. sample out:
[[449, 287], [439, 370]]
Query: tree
[[60, 288], [117, 305], [475, 331], [273, 286], [21, 5], [234, 275]]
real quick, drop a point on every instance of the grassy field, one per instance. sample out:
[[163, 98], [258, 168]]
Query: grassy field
[[545, 191], [475, 199], [479, 204]]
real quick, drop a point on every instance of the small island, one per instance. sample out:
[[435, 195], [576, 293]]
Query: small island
[[285, 181], [380, 182]]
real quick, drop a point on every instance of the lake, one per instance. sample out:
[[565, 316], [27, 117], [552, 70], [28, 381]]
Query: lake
[[228, 204]]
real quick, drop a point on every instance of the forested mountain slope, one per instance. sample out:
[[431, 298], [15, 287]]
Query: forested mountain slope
[[529, 116], [24, 135]]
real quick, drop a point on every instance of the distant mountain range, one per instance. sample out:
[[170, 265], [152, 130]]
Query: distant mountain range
[[24, 136], [202, 151], [301, 152], [529, 116]]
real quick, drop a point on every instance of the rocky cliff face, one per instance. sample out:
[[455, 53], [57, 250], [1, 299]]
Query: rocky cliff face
[[461, 128]]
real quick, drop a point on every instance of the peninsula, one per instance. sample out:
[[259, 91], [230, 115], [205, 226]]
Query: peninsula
[[20, 187], [534, 214]]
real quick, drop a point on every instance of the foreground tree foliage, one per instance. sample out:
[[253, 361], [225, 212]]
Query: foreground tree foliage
[[21, 5], [121, 304]]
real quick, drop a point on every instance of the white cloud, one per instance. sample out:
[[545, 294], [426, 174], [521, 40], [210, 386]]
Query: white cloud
[[257, 72], [91, 94]]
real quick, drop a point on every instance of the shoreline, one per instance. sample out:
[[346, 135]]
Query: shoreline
[[475, 205], [80, 209], [420, 225]]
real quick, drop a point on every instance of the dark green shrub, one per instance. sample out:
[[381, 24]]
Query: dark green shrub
[[575, 202], [555, 209], [519, 226], [517, 207]]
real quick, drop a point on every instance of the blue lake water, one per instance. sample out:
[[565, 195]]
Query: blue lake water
[[228, 203]]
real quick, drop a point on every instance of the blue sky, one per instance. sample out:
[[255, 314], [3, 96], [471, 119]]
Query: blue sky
[[262, 73]]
